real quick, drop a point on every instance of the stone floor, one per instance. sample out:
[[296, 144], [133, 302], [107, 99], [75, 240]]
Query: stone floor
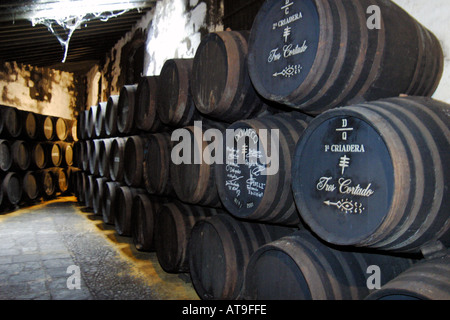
[[57, 251]]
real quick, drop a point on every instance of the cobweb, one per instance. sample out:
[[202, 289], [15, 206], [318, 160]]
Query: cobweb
[[71, 23]]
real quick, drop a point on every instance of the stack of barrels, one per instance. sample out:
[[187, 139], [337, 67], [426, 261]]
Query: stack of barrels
[[238, 167], [36, 157]]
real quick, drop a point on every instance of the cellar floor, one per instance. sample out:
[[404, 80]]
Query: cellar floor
[[58, 251]]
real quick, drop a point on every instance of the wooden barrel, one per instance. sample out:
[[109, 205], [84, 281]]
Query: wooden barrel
[[103, 157], [109, 204], [117, 159], [49, 128], [425, 280], [86, 147], [123, 213], [32, 123], [62, 180], [133, 167], [126, 109], [156, 165], [256, 184], [82, 124], [219, 250], [98, 194], [48, 182], [146, 116], [80, 185], [63, 129], [374, 174], [175, 105], [6, 159], [21, 155], [143, 220], [319, 54], [174, 223], [88, 191], [11, 190], [90, 122], [111, 116], [221, 86], [30, 186], [69, 154], [41, 155], [100, 120], [62, 154], [10, 123], [193, 175], [308, 269], [94, 157]]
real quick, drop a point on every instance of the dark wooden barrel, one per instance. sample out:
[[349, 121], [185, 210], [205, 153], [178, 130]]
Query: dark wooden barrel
[[90, 122], [126, 109], [10, 123], [133, 168], [62, 180], [173, 227], [82, 124], [256, 184], [193, 175], [117, 159], [219, 250], [80, 185], [109, 204], [425, 280], [221, 86], [21, 155], [98, 194], [175, 105], [374, 174], [30, 186], [124, 210], [48, 182], [103, 159], [41, 154], [86, 147], [88, 191], [156, 165], [111, 116], [64, 130], [146, 116], [100, 120], [319, 54], [94, 157], [143, 220], [6, 159], [308, 269], [11, 190], [49, 128]]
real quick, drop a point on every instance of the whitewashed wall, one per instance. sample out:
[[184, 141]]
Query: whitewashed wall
[[173, 30], [435, 16]]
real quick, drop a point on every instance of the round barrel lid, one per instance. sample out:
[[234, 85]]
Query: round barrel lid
[[343, 178], [283, 45]]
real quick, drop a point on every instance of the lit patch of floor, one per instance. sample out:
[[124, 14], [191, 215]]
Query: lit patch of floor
[[38, 245]]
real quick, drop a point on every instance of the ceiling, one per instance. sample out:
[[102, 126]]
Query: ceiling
[[24, 43]]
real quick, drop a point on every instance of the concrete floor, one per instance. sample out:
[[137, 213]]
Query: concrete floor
[[44, 248]]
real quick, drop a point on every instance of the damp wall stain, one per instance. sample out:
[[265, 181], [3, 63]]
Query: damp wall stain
[[41, 90]]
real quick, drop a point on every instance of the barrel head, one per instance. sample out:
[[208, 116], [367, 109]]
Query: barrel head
[[282, 47], [343, 178]]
